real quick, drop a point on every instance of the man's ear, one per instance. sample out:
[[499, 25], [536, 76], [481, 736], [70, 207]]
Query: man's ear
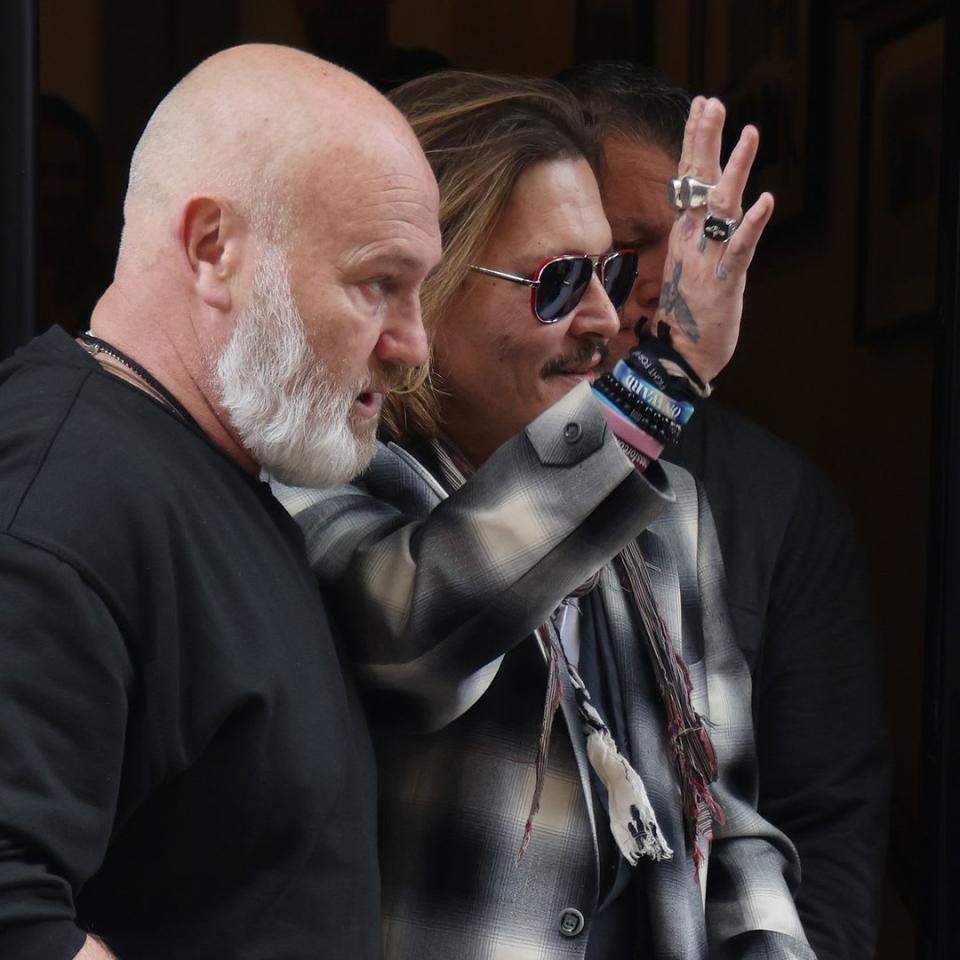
[[211, 238]]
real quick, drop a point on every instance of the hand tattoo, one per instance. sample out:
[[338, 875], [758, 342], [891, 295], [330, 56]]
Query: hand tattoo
[[722, 272], [702, 245], [687, 227], [672, 301]]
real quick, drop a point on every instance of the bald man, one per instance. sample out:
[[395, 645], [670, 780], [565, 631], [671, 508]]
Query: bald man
[[184, 768]]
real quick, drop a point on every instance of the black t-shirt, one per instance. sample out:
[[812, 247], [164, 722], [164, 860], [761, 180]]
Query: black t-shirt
[[184, 767]]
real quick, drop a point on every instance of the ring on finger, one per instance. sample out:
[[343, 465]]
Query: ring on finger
[[718, 228], [688, 193]]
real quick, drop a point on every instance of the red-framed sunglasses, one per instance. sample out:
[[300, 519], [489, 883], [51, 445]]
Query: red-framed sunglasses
[[560, 282]]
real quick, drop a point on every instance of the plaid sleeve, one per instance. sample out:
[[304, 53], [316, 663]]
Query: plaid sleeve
[[431, 594], [753, 868]]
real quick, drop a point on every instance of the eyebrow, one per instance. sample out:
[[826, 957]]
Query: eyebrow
[[395, 259], [640, 234]]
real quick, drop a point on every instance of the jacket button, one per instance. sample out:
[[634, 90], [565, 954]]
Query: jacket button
[[571, 922], [572, 432]]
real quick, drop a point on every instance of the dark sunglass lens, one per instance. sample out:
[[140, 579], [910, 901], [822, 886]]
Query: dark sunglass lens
[[562, 284], [619, 273]]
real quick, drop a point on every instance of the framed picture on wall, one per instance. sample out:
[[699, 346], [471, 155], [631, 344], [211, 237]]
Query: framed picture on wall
[[774, 73], [900, 146]]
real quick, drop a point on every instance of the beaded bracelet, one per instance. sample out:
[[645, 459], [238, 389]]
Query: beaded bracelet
[[653, 423], [630, 405], [626, 430], [649, 396]]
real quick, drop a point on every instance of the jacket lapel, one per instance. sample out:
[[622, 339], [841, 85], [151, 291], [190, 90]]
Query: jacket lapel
[[665, 581]]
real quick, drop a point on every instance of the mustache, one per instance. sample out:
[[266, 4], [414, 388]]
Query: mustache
[[383, 378], [576, 360]]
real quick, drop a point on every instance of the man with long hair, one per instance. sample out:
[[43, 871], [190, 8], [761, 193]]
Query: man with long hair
[[562, 715]]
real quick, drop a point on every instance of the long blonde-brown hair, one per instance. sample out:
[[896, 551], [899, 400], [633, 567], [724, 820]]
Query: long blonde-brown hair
[[479, 132]]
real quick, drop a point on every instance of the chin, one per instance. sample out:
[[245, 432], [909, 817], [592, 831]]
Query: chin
[[329, 458]]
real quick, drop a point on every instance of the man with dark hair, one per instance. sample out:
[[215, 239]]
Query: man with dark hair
[[797, 586]]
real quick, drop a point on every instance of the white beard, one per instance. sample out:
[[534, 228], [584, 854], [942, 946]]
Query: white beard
[[280, 398]]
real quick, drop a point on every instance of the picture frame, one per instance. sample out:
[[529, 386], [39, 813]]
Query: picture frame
[[765, 75], [899, 178]]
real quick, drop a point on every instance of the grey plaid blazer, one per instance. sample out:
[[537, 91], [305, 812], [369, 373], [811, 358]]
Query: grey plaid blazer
[[438, 597]]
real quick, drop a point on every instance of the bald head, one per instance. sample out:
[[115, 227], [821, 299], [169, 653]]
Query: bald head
[[249, 125], [280, 220]]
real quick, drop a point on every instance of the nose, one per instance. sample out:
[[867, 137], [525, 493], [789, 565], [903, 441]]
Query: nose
[[594, 315], [643, 301], [403, 338], [646, 291]]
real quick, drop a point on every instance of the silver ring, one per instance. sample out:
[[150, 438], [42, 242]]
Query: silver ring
[[720, 229], [688, 193]]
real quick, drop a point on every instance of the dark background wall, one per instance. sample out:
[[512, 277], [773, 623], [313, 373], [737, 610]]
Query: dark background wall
[[817, 364]]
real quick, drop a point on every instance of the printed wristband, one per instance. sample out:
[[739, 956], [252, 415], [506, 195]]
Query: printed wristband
[[639, 414], [647, 360], [627, 431], [646, 363], [656, 424], [677, 410], [639, 461]]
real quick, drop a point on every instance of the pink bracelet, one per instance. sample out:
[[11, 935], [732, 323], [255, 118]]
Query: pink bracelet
[[634, 456], [629, 432]]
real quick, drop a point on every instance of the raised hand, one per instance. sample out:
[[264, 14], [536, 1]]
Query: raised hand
[[704, 279]]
